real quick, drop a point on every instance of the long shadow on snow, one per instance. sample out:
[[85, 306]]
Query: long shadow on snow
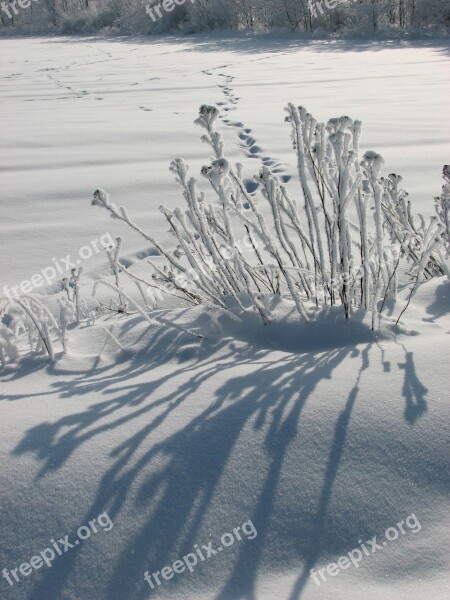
[[265, 43], [269, 398]]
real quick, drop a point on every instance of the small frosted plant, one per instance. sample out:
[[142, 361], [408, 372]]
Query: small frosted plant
[[31, 317], [9, 352]]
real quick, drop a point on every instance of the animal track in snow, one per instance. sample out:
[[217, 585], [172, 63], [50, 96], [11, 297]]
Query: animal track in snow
[[248, 143]]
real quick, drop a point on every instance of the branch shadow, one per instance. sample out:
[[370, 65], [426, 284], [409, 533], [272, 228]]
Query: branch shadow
[[440, 306], [413, 390], [174, 481], [270, 43]]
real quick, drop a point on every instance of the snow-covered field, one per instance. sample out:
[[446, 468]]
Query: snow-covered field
[[321, 440], [83, 114]]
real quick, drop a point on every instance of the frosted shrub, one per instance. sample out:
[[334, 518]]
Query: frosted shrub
[[9, 352], [341, 241], [27, 315], [352, 261], [442, 206]]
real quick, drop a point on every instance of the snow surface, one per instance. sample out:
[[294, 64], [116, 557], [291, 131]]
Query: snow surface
[[79, 114], [321, 434]]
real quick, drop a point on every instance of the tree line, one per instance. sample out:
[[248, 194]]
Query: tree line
[[188, 16]]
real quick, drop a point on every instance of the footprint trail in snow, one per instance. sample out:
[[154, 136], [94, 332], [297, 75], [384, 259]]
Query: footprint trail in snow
[[248, 143]]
